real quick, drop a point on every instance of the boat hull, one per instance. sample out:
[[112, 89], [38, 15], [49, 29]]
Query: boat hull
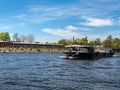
[[82, 55]]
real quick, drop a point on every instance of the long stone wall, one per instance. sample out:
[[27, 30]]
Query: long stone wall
[[27, 47]]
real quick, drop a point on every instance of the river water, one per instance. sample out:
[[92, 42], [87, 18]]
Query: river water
[[46, 71]]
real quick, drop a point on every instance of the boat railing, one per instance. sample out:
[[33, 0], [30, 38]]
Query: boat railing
[[103, 50]]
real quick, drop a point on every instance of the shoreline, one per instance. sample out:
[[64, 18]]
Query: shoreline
[[30, 50]]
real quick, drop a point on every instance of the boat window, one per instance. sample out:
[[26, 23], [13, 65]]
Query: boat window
[[74, 49], [83, 49], [71, 49]]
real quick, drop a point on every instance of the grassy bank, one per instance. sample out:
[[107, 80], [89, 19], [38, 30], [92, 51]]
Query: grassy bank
[[6, 49]]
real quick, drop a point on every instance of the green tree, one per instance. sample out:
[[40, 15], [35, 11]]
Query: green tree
[[1, 35], [63, 42], [83, 41], [75, 41], [97, 42], [116, 43], [4, 36], [91, 43], [69, 42], [108, 41]]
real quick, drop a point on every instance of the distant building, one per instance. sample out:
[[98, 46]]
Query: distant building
[[29, 45]]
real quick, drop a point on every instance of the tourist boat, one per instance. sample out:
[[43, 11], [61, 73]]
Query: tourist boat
[[86, 52]]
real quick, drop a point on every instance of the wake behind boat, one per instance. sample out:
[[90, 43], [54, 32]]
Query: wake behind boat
[[86, 52]]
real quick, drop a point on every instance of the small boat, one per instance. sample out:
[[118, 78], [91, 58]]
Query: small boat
[[86, 52]]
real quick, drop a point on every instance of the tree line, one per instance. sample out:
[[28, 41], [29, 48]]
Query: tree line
[[30, 38], [5, 36], [109, 41]]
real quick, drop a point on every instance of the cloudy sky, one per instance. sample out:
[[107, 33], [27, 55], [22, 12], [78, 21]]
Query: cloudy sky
[[51, 20]]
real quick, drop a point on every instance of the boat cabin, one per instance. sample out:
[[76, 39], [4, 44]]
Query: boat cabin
[[79, 48], [78, 51]]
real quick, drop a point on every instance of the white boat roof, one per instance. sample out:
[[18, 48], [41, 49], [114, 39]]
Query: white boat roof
[[76, 46]]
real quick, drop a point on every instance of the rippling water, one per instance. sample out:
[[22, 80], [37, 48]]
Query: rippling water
[[46, 71]]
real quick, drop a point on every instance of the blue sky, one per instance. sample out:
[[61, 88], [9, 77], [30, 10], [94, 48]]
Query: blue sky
[[52, 20]]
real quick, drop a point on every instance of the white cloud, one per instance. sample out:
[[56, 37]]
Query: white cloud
[[68, 34], [64, 33], [98, 22], [84, 29], [70, 27], [37, 13]]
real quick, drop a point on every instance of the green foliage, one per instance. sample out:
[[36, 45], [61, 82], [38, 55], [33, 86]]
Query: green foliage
[[75, 41], [4, 36], [97, 41], [91, 43], [83, 41], [65, 42], [116, 43], [62, 41], [108, 42]]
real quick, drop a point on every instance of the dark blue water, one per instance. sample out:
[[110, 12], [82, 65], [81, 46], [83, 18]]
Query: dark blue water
[[46, 71]]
